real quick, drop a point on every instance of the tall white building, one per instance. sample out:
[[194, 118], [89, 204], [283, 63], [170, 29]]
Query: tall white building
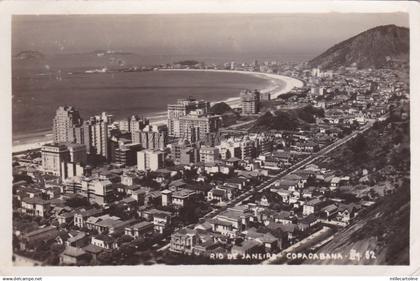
[[137, 124], [152, 137], [182, 108], [98, 137], [66, 117], [150, 160], [53, 155], [77, 153], [209, 154], [196, 125], [250, 102]]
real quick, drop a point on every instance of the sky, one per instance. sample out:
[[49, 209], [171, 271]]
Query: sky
[[205, 34]]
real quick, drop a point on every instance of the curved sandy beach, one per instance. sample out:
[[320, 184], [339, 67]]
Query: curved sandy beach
[[276, 90]]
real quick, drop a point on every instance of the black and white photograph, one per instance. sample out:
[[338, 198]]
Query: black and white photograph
[[210, 139]]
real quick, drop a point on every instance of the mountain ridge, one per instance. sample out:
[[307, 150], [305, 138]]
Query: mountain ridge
[[372, 48]]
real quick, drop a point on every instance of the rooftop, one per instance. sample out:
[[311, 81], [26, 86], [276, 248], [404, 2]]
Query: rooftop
[[74, 251], [35, 200], [183, 193], [141, 225]]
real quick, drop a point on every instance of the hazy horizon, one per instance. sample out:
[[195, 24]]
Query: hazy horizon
[[195, 35]]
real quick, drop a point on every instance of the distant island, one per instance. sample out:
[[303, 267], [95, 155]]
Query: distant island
[[101, 53], [188, 62], [29, 55]]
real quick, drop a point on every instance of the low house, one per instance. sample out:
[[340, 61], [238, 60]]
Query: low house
[[73, 256], [283, 217], [23, 192], [231, 222], [129, 179], [269, 242], [217, 194], [307, 222], [65, 218], [205, 226], [103, 241], [200, 187], [161, 219], [139, 229], [139, 196], [181, 197], [62, 237], [309, 192], [77, 239], [107, 223], [177, 185], [233, 162], [310, 146], [247, 247], [346, 212], [72, 238], [35, 206], [312, 206], [236, 182], [81, 216], [329, 211], [264, 201], [335, 182], [287, 184], [285, 194], [289, 230], [209, 247], [222, 193], [31, 239], [183, 241], [93, 250]]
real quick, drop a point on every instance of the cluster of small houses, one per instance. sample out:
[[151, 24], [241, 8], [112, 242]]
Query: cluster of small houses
[[351, 96], [256, 228], [48, 201], [309, 206]]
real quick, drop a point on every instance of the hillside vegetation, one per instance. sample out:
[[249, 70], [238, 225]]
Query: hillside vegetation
[[289, 120], [384, 228]]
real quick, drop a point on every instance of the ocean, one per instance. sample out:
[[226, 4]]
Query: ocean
[[39, 88]]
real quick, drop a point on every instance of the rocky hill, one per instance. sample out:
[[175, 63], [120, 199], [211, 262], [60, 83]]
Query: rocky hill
[[229, 116], [370, 49]]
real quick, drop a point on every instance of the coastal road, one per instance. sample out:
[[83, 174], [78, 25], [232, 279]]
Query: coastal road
[[240, 124]]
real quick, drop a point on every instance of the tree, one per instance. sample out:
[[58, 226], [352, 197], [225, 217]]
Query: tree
[[359, 148], [359, 145], [105, 258], [124, 239]]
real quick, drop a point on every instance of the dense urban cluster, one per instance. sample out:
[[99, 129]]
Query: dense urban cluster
[[201, 185]]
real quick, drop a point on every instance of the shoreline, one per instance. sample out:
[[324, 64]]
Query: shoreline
[[290, 82], [277, 89]]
